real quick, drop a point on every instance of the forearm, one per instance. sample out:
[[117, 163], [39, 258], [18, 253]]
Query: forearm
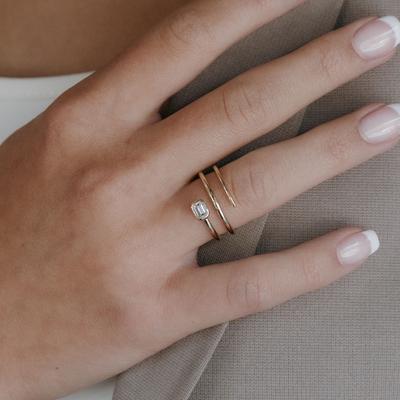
[[71, 36]]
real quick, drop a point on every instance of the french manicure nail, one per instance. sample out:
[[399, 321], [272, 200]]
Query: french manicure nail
[[381, 125], [377, 38], [357, 247]]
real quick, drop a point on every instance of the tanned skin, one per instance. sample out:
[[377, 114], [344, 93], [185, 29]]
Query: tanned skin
[[47, 37]]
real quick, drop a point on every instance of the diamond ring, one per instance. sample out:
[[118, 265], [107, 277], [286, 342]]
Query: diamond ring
[[201, 212]]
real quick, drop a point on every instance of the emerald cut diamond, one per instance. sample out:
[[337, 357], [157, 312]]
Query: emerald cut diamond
[[200, 210]]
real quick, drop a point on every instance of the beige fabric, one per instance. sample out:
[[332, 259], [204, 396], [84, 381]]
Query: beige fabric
[[341, 342]]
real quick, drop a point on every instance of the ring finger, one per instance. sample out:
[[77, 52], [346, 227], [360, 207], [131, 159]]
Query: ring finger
[[269, 177]]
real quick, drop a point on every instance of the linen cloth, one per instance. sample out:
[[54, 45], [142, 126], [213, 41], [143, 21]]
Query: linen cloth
[[341, 342]]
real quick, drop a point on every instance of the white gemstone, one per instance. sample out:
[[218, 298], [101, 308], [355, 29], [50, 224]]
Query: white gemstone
[[200, 210]]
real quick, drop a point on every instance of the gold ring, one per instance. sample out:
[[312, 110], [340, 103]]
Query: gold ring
[[216, 204], [216, 170], [201, 212]]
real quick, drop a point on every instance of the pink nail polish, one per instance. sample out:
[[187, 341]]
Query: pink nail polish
[[381, 125], [377, 38], [357, 248]]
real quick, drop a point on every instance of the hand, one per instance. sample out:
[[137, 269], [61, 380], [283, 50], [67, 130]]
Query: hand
[[98, 242]]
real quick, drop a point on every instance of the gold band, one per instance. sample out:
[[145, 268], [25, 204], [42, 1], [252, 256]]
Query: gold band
[[216, 170], [211, 228], [216, 204]]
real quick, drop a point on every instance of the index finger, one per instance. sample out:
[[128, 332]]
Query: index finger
[[168, 57]]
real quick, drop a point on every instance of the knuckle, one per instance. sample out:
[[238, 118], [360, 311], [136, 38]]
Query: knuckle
[[336, 149], [54, 121], [246, 293], [63, 129], [244, 104], [254, 185], [185, 29], [59, 111], [329, 58], [312, 272], [54, 145]]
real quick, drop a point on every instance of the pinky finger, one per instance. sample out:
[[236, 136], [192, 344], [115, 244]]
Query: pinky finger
[[219, 293]]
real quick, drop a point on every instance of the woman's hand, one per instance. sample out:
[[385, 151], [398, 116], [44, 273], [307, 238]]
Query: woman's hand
[[98, 241]]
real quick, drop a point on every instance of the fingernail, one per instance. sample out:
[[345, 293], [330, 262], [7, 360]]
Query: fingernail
[[357, 247], [377, 38], [381, 125]]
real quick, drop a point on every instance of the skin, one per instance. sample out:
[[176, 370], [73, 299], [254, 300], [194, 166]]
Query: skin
[[98, 243], [71, 36]]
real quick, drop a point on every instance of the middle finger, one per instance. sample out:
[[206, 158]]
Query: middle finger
[[263, 98]]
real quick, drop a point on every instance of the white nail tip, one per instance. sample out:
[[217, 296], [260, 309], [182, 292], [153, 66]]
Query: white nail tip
[[395, 107], [373, 239], [394, 23]]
